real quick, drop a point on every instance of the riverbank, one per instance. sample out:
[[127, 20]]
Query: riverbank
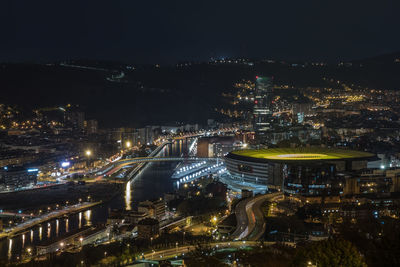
[[47, 217], [150, 183], [33, 201]]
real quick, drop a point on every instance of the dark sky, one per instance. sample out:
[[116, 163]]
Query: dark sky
[[166, 31]]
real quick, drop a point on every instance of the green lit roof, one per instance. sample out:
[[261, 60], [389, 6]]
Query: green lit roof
[[288, 154]]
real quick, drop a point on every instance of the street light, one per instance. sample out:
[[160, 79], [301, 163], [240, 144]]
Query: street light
[[88, 154], [214, 220], [128, 144], [311, 264]]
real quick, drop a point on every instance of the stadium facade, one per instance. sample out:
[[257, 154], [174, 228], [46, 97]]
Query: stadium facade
[[305, 171]]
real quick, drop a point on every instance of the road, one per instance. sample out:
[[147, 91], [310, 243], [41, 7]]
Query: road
[[179, 250], [241, 219], [258, 225], [249, 217]]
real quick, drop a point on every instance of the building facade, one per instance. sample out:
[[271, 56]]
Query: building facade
[[262, 111], [12, 178], [301, 171], [148, 228]]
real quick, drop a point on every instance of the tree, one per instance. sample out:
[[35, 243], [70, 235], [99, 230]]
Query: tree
[[329, 253], [269, 256], [202, 256], [377, 239]]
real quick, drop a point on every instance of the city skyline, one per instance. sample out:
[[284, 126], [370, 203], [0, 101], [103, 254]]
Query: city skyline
[[193, 134]]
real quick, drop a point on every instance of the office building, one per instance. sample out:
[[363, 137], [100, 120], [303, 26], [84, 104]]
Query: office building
[[216, 146], [91, 127], [148, 228], [262, 111], [12, 178], [153, 209], [75, 119]]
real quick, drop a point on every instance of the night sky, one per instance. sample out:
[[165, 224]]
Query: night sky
[[169, 31]]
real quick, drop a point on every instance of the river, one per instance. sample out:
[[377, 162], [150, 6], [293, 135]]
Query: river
[[151, 182]]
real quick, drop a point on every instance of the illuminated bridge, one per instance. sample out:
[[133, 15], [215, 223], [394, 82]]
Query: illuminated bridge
[[202, 133], [116, 166], [141, 162], [155, 159]]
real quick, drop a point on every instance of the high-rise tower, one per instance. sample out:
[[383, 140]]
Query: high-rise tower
[[262, 111]]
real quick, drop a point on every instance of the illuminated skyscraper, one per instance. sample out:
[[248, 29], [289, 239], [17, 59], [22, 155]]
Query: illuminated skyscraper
[[91, 126], [262, 112], [75, 119]]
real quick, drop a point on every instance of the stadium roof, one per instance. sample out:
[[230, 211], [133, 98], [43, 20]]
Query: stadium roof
[[300, 154]]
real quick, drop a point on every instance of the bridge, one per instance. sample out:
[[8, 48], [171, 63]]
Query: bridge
[[116, 166], [157, 159], [202, 133], [15, 214], [141, 162]]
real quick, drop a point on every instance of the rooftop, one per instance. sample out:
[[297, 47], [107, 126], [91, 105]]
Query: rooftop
[[302, 154]]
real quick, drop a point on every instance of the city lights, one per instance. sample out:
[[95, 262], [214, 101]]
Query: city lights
[[172, 147]]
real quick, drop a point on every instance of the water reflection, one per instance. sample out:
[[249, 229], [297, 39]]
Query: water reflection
[[40, 233], [66, 226], [31, 235], [80, 220], [23, 240], [128, 196], [88, 215], [48, 230], [57, 227], [9, 248]]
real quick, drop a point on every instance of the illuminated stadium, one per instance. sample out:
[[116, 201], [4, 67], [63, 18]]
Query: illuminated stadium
[[306, 171]]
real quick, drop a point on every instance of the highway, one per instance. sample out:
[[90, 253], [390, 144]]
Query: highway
[[241, 219], [249, 217], [258, 225], [181, 250]]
